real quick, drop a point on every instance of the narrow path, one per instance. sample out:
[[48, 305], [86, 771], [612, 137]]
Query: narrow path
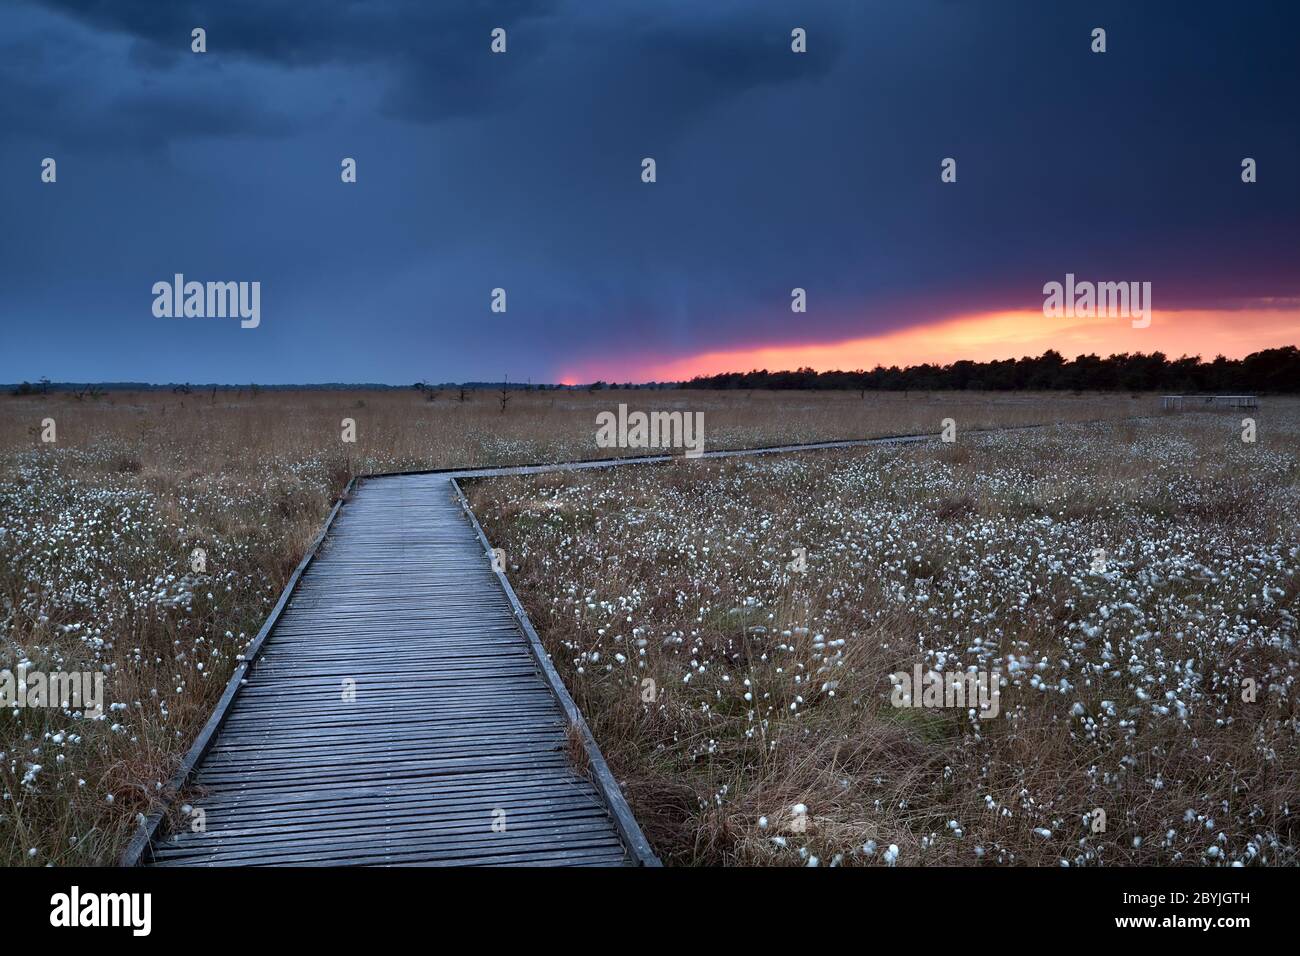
[[397, 716], [397, 708]]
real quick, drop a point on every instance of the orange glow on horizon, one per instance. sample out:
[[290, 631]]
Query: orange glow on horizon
[[982, 338]]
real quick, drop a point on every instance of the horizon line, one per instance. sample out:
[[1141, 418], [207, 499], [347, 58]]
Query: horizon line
[[47, 384]]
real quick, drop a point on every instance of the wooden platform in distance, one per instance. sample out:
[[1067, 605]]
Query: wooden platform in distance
[[452, 728]]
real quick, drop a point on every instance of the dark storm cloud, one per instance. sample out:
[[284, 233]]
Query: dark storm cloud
[[292, 33], [431, 53], [78, 87], [522, 171]]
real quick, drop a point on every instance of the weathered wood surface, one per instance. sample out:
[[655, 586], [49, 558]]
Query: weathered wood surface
[[397, 714]]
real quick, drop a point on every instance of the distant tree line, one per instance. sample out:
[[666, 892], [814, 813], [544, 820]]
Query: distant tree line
[[1272, 370]]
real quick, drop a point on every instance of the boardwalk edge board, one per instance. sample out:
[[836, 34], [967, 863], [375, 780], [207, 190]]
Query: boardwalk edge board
[[502, 471], [139, 850], [602, 777]]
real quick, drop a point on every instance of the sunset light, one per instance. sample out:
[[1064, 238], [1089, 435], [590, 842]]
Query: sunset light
[[984, 337]]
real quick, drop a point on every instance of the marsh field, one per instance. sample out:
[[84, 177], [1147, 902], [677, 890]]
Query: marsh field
[[728, 627]]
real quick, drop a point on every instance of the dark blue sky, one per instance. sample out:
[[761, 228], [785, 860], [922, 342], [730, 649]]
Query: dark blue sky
[[522, 171]]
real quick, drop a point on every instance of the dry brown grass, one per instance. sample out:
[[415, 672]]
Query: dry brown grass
[[163, 433], [951, 558], [98, 528]]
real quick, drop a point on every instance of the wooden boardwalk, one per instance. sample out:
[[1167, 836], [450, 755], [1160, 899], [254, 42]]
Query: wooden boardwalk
[[397, 707], [398, 715]]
